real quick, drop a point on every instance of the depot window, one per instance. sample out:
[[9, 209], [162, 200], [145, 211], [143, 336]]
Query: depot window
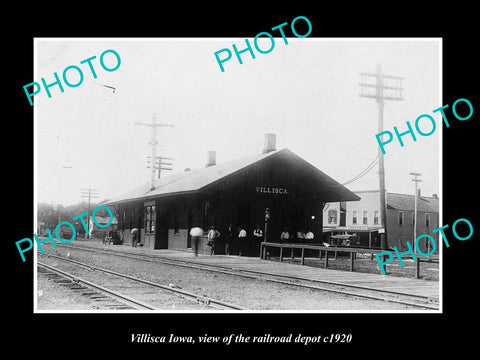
[[365, 217], [205, 216], [354, 217], [375, 217], [332, 216], [150, 216], [400, 218]]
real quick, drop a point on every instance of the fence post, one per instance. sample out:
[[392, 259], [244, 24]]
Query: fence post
[[352, 260], [303, 256], [281, 252], [326, 259]]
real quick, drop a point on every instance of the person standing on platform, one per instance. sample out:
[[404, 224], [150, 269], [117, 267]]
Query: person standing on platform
[[300, 239], [229, 239], [213, 235], [284, 236], [196, 233], [242, 241], [134, 232], [257, 238], [300, 235]]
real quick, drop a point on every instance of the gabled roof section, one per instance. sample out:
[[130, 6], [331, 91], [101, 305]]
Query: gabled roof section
[[197, 179], [433, 202], [333, 190], [407, 202], [192, 180]]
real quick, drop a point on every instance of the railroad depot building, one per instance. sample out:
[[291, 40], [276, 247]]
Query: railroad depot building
[[236, 192], [363, 218]]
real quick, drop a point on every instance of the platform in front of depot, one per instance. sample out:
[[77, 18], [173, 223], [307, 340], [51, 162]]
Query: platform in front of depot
[[410, 286]]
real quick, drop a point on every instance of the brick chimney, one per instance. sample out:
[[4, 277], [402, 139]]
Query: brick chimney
[[211, 158], [270, 143]]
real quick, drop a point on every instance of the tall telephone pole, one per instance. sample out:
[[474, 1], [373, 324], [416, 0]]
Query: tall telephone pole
[[90, 194], [381, 89], [153, 142], [416, 180], [417, 263]]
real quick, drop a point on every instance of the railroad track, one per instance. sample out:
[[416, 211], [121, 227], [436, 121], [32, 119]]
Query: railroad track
[[200, 299], [113, 299], [417, 301]]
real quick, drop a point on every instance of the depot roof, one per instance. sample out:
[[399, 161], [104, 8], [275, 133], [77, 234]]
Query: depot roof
[[198, 179]]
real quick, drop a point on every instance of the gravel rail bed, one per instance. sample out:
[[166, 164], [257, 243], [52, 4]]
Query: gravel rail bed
[[54, 296], [249, 293], [158, 298]]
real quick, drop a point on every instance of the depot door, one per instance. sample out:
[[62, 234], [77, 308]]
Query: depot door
[[161, 231]]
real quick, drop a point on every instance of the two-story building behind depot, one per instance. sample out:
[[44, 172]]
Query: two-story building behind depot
[[363, 219]]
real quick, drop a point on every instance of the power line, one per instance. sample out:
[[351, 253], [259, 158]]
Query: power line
[[363, 172]]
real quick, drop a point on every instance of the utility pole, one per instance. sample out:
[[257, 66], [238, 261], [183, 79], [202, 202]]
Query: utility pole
[[90, 194], [55, 215], [159, 164], [416, 180], [381, 89], [153, 142]]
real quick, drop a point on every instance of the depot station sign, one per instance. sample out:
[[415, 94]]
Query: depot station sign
[[271, 190]]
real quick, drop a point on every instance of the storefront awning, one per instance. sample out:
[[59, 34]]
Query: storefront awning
[[352, 228]]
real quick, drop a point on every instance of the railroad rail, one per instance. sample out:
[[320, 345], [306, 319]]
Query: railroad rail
[[413, 300], [76, 280], [204, 300]]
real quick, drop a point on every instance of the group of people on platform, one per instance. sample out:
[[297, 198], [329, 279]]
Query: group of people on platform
[[236, 241], [285, 236]]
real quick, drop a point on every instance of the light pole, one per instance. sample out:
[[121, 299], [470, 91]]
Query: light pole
[[267, 217]]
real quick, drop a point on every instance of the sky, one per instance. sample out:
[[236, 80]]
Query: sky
[[306, 92]]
